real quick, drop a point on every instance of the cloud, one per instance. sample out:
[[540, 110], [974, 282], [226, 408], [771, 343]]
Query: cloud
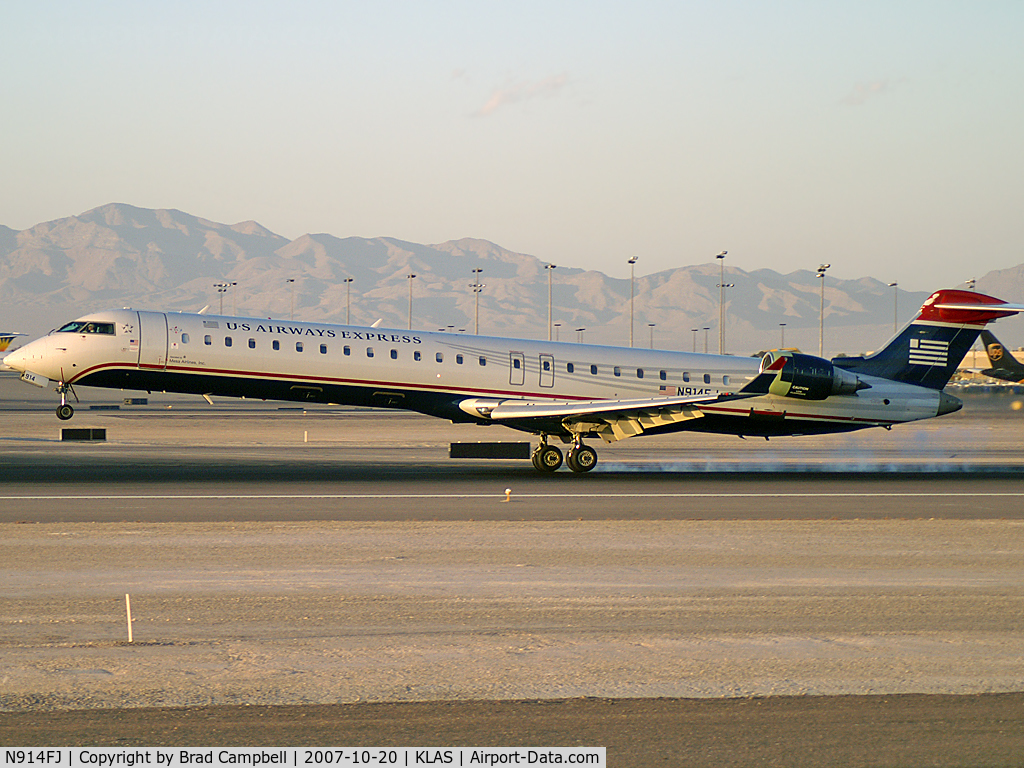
[[513, 94], [863, 91]]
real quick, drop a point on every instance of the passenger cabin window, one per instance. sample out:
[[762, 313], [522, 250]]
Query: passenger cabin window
[[439, 357], [184, 338], [417, 356], [617, 371], [227, 341], [276, 345], [369, 351], [639, 373], [458, 359], [394, 354], [686, 375], [88, 326], [725, 380], [298, 346], [707, 378], [663, 375], [346, 350], [208, 340], [593, 370], [570, 368], [323, 349], [483, 361], [252, 343]]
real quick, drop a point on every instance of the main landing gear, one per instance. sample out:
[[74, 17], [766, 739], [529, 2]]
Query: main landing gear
[[548, 458], [65, 411]]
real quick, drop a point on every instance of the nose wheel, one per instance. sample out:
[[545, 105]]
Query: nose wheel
[[65, 411]]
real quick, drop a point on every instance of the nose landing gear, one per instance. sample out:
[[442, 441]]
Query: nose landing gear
[[65, 411]]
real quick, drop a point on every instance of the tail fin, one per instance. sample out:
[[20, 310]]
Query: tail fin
[[929, 349], [1004, 365]]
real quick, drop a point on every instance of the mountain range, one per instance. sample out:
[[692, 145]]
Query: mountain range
[[120, 255]]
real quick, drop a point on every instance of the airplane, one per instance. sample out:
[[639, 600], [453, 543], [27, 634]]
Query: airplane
[[568, 391], [1004, 365], [6, 339]]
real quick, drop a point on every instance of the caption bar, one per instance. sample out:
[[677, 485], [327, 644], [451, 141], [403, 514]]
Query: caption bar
[[120, 757]]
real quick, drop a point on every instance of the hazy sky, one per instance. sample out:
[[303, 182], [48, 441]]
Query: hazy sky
[[883, 137]]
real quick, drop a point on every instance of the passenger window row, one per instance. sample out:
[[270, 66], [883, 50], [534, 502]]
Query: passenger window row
[[459, 359]]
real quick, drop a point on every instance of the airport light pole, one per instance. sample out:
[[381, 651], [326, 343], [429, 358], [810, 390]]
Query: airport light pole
[[782, 336], [722, 285], [477, 287], [821, 317], [348, 300], [557, 327], [651, 326], [579, 335], [550, 268], [632, 263], [695, 338], [221, 290], [895, 298], [706, 329], [292, 281], [410, 277]]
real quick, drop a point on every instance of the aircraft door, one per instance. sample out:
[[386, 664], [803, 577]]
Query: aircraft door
[[547, 370], [516, 368], [152, 340]]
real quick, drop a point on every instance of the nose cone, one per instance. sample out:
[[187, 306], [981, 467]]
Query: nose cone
[[15, 360], [949, 404]]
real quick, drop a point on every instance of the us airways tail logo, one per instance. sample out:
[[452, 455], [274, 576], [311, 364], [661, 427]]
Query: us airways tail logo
[[928, 352]]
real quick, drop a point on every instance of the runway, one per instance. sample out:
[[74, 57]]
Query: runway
[[280, 558]]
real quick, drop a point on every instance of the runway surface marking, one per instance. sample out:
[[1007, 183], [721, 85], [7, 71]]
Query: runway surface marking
[[764, 495]]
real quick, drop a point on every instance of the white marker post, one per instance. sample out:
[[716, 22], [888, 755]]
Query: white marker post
[[128, 611]]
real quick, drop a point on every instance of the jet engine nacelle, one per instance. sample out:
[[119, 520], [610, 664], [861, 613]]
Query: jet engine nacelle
[[809, 378]]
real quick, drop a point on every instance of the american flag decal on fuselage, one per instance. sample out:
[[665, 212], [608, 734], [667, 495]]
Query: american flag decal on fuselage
[[928, 352]]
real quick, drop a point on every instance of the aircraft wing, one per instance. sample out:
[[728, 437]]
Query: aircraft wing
[[610, 419]]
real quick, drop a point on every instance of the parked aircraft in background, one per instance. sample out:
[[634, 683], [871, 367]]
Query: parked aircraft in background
[[563, 390], [1004, 365], [6, 339]]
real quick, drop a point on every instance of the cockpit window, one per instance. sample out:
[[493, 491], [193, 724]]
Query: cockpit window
[[88, 326]]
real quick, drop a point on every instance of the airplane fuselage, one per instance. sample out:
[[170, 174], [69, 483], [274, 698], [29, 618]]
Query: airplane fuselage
[[435, 373]]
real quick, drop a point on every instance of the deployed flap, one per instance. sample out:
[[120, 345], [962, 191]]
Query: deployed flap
[[610, 419]]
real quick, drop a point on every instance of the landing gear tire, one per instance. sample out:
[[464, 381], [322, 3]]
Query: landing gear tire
[[65, 412], [547, 458], [581, 458]]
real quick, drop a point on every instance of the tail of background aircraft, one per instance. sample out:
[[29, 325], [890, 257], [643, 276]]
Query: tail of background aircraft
[[1004, 365], [929, 349]]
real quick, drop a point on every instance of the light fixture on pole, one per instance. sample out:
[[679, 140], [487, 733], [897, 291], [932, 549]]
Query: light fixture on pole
[[695, 338], [651, 326], [557, 326], [410, 277], [221, 289], [579, 335], [782, 335], [821, 317], [477, 287], [706, 329], [632, 263], [722, 285], [348, 300], [550, 268], [895, 298], [291, 316], [970, 284]]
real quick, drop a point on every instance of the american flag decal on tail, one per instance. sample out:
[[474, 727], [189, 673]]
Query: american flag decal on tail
[[928, 352]]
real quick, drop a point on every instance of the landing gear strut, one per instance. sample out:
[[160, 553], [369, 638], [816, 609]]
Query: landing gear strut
[[65, 411], [547, 458]]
